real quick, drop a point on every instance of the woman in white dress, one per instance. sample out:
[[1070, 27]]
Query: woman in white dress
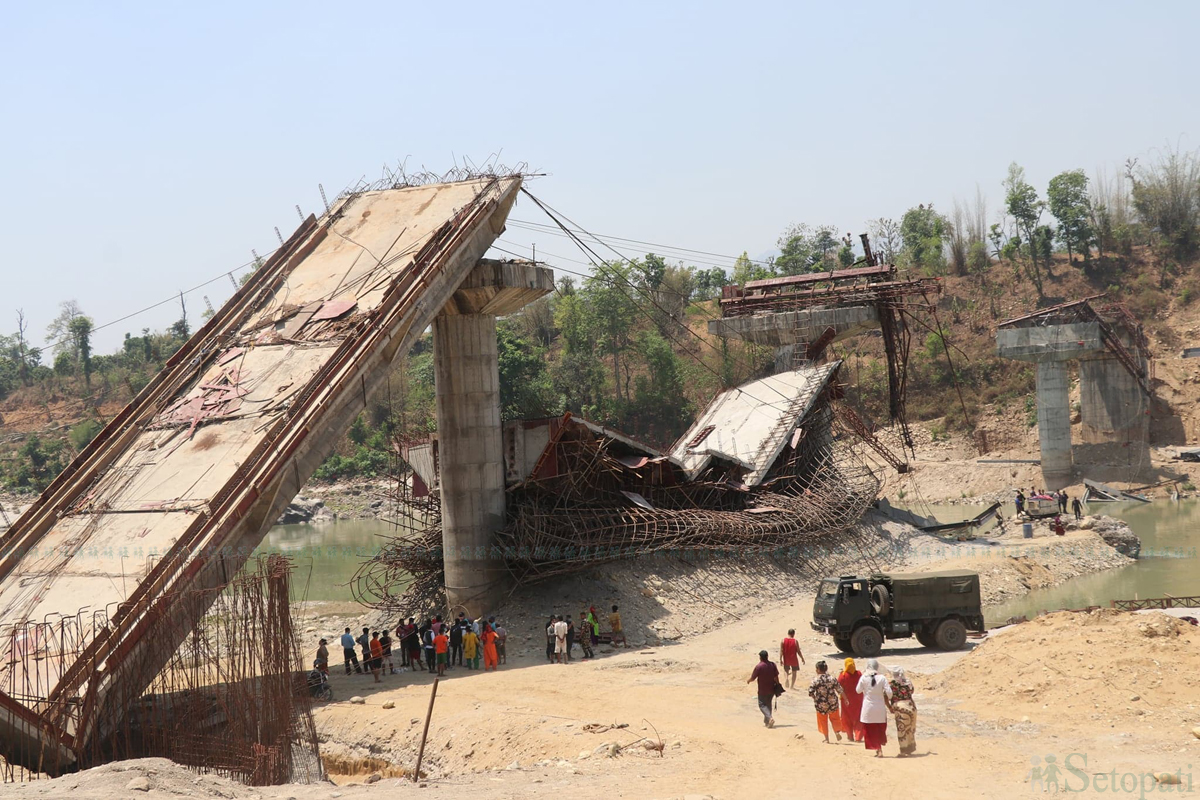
[[876, 693]]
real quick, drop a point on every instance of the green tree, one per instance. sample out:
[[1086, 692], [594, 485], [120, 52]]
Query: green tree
[[803, 248], [1072, 207], [1025, 208], [80, 329], [707, 283], [923, 232], [609, 292], [745, 270], [660, 408], [526, 391]]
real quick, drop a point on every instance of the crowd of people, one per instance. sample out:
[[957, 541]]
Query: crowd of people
[[562, 635], [437, 646], [853, 703], [434, 646]]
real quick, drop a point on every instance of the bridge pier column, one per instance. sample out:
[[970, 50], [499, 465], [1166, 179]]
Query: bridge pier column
[[466, 370]]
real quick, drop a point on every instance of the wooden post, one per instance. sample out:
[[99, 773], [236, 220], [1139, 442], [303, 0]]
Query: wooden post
[[425, 733]]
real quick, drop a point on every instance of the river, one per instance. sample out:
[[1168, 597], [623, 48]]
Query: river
[[1169, 565], [326, 555]]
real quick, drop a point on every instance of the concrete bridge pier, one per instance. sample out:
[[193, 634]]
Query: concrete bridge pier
[[1113, 406], [470, 438], [1054, 423]]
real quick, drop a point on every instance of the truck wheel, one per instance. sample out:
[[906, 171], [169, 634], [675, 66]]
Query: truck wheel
[[842, 643], [925, 637], [881, 600], [951, 635], [866, 642]]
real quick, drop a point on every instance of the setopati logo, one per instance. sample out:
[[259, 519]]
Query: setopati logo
[[1070, 775]]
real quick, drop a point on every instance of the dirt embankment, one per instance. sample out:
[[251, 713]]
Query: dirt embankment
[[1117, 670]]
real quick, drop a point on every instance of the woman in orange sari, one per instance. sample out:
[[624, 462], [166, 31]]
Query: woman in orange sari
[[851, 701], [490, 657]]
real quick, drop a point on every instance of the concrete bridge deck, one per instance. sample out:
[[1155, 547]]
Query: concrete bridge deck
[[98, 579]]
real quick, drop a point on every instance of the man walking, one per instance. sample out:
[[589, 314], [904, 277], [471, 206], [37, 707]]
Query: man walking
[[791, 657], [767, 675], [1077, 508], [348, 653]]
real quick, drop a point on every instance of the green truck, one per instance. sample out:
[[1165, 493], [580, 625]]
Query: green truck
[[861, 612]]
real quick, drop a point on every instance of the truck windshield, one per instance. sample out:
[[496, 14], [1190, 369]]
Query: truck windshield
[[828, 589]]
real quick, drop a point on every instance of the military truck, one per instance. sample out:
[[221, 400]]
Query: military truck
[[861, 612]]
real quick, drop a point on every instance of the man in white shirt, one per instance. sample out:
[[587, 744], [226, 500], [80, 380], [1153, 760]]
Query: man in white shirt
[[560, 640]]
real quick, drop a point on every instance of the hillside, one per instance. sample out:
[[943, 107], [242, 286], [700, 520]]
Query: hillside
[[559, 355]]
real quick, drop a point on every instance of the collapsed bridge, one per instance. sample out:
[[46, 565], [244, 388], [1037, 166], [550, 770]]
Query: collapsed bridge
[[107, 574]]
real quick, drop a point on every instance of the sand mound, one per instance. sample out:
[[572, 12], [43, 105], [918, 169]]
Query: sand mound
[[1117, 669]]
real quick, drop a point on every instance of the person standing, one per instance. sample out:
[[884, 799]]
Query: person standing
[[791, 657], [560, 641], [441, 648], [348, 652], [876, 694], [767, 675], [376, 655], [322, 662], [585, 635], [570, 637], [1020, 502], [364, 642], [851, 701], [550, 637], [412, 641], [490, 658], [593, 627], [427, 638], [456, 650], [1077, 508], [904, 710], [502, 643], [387, 666], [1062, 501], [614, 622], [826, 694], [471, 649]]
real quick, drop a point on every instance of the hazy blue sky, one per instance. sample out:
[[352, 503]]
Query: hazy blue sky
[[147, 147]]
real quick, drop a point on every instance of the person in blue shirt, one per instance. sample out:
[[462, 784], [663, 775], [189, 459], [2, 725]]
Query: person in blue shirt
[[348, 652]]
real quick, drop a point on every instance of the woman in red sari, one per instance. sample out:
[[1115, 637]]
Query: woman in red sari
[[490, 656], [851, 701]]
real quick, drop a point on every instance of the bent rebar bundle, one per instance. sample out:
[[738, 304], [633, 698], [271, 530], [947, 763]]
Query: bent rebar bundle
[[597, 508], [228, 700]]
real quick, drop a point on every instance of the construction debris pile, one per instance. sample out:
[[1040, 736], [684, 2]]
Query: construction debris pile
[[761, 470]]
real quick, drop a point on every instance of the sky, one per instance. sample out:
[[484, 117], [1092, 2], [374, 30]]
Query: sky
[[148, 148]]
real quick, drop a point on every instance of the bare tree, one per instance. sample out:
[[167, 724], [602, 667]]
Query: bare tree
[[959, 238], [887, 240], [22, 348], [58, 332]]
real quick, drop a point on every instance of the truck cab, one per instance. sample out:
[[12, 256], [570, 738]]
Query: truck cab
[[861, 612]]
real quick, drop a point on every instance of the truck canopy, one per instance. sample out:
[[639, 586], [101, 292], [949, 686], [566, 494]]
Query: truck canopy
[[923, 593]]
